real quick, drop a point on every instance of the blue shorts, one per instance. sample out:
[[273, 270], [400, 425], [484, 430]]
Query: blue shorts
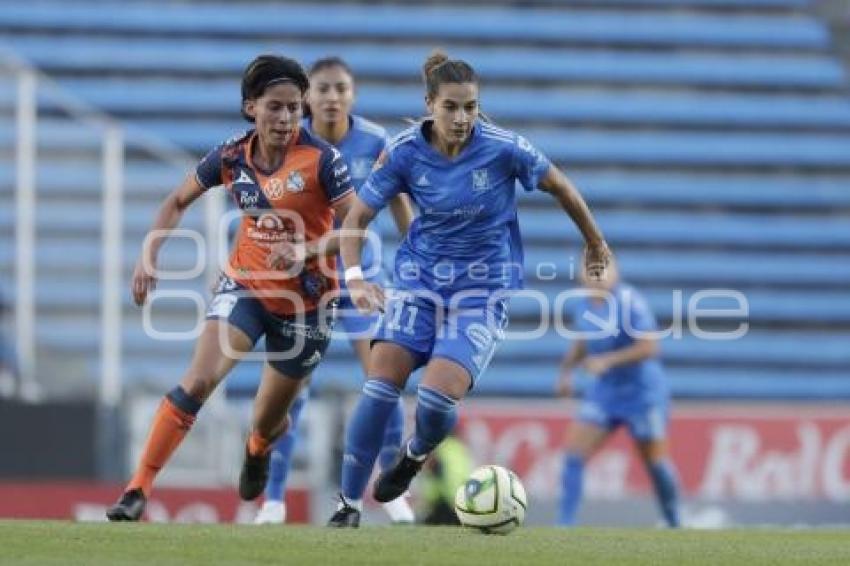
[[644, 423], [294, 343], [468, 337]]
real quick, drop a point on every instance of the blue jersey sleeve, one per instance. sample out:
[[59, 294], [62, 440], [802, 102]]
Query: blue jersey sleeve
[[334, 175], [384, 182], [208, 171], [530, 165]]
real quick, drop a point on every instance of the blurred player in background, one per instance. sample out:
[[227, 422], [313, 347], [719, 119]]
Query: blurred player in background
[[444, 472], [329, 101], [453, 272], [627, 388], [289, 185]]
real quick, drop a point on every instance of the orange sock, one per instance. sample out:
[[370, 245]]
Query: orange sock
[[170, 425], [257, 445]]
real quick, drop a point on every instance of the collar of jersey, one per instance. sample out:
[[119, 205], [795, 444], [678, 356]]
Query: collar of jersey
[[250, 162]]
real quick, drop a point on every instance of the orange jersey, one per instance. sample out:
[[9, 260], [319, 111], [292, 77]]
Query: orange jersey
[[293, 203]]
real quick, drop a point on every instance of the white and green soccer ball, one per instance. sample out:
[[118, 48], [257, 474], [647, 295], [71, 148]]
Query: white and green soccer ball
[[492, 500]]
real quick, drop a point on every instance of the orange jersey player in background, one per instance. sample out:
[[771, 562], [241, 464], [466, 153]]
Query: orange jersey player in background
[[281, 277]]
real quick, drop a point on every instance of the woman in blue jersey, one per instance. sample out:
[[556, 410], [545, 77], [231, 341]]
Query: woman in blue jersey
[[453, 273], [617, 348], [329, 101]]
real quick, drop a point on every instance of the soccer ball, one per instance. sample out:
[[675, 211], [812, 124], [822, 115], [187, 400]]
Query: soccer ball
[[492, 500]]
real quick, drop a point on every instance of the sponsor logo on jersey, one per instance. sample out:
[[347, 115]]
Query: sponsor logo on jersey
[[274, 188], [248, 199], [295, 182]]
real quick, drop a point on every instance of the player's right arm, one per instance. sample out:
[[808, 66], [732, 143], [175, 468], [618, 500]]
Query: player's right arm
[[572, 359], [366, 296], [167, 218], [383, 184]]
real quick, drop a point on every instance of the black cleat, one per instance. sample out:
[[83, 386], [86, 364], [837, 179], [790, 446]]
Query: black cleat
[[346, 517], [129, 508], [254, 475], [392, 483]]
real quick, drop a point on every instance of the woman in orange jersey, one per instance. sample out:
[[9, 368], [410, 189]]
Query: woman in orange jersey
[[280, 281]]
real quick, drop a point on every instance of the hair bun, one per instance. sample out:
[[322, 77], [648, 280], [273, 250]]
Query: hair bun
[[434, 60]]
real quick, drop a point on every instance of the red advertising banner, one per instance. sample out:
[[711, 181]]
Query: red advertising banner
[[88, 502], [740, 453]]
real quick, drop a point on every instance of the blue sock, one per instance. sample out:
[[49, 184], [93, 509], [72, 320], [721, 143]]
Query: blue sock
[[392, 437], [281, 455], [572, 484], [667, 489], [436, 415], [365, 433]]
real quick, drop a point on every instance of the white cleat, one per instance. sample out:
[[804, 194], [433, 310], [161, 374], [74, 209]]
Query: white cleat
[[271, 513], [399, 510]]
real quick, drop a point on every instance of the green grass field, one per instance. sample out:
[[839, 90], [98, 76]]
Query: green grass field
[[56, 542]]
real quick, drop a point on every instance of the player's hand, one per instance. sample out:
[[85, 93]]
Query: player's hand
[[366, 297], [596, 365], [285, 255], [143, 281], [597, 256]]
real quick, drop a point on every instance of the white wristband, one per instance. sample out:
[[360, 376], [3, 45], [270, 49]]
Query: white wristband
[[353, 272]]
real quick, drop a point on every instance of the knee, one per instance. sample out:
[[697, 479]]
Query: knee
[[199, 384]]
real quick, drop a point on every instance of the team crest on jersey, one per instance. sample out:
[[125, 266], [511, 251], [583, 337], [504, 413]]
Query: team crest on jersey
[[295, 182], [480, 180], [274, 188]]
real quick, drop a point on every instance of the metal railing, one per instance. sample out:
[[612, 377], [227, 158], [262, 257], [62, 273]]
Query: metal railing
[[32, 85]]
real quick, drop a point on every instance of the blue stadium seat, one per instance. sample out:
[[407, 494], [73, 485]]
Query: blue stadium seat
[[758, 347], [514, 104], [709, 229], [419, 23], [128, 55], [699, 130], [705, 189], [574, 147], [618, 188], [697, 266]]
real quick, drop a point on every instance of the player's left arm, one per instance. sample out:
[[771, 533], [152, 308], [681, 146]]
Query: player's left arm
[[559, 186]]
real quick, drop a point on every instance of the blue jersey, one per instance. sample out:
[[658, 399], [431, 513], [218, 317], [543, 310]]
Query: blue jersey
[[630, 386], [466, 236], [360, 148]]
